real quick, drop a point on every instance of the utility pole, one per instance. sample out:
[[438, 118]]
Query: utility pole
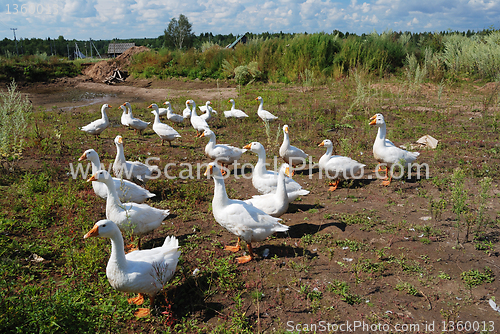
[[15, 40]]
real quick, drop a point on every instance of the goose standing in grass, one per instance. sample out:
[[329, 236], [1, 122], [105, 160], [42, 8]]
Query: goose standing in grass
[[142, 271], [242, 219], [98, 126], [291, 154], [133, 122], [135, 218], [208, 111], [127, 191], [186, 113], [222, 154], [266, 181], [131, 170], [164, 131], [236, 113], [338, 167], [171, 116], [385, 152], [275, 203], [265, 115], [198, 123], [125, 118]]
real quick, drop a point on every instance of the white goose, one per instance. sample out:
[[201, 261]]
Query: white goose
[[208, 110], [240, 218], [264, 114], [127, 191], [266, 181], [198, 123], [236, 113], [138, 219], [186, 113], [385, 152], [98, 126], [125, 118], [291, 154], [338, 167], [164, 131], [222, 154], [131, 170], [133, 122], [171, 116], [142, 271], [275, 203]]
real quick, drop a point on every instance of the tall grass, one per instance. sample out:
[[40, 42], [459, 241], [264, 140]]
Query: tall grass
[[14, 113], [478, 55]]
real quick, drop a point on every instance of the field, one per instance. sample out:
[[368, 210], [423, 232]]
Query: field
[[418, 256]]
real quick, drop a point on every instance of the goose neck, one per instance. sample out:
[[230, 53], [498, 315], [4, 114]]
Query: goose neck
[[381, 133], [220, 195], [117, 256]]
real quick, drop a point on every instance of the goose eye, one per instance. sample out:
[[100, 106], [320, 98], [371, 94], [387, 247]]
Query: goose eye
[[104, 225]]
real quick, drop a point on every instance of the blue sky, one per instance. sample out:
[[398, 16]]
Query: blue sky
[[107, 19]]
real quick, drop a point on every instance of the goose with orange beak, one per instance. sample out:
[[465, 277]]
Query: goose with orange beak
[[134, 218], [247, 222], [131, 170], [264, 115], [98, 126], [127, 191], [337, 167], [222, 153], [142, 271], [276, 203], [164, 131], [198, 123], [385, 152], [292, 155], [266, 181], [236, 113]]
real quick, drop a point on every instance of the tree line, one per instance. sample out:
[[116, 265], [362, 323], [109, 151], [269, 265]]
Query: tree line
[[177, 35]]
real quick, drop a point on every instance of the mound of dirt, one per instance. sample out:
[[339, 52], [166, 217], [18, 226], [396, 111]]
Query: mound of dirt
[[103, 69]]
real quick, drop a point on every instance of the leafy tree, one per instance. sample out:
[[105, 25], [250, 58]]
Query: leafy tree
[[178, 34]]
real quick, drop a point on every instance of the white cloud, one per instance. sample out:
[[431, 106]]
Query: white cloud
[[106, 19]]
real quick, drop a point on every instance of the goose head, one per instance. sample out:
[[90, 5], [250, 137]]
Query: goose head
[[101, 176], [259, 98], [213, 171], [103, 228], [231, 101], [89, 154], [167, 103], [377, 120], [155, 108], [207, 133], [285, 129], [118, 140], [124, 108], [326, 143], [255, 147]]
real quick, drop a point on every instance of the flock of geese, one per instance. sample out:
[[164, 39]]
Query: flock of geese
[[146, 271]]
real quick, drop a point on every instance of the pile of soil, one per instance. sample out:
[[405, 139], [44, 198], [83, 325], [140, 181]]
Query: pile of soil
[[103, 69]]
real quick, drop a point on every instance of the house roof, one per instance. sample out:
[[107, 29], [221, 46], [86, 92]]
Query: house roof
[[119, 47]]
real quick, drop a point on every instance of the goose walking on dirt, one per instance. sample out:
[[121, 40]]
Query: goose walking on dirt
[[244, 220], [164, 131], [142, 271], [98, 126], [385, 152]]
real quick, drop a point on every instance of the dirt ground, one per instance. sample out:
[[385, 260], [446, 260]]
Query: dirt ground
[[291, 274]]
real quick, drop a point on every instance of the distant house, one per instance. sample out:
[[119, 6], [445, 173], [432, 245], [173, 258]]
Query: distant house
[[116, 49], [241, 39]]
